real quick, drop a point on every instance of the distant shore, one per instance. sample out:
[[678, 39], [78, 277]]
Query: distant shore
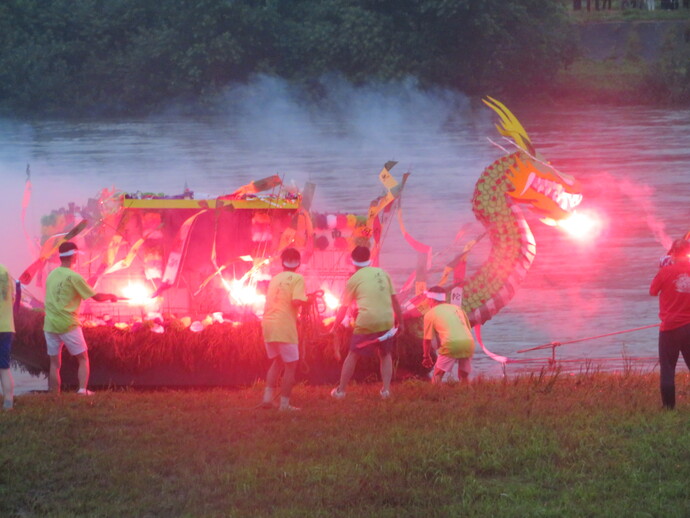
[[619, 62]]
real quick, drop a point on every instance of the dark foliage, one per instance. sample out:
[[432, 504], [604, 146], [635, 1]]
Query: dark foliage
[[120, 56], [670, 76]]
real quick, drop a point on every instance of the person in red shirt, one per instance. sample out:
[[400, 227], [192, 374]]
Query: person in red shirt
[[668, 258], [672, 285]]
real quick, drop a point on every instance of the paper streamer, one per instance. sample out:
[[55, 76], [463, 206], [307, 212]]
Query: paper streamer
[[496, 357], [25, 203], [49, 248], [256, 186], [179, 248]]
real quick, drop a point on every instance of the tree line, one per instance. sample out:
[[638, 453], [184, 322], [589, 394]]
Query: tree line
[[129, 56]]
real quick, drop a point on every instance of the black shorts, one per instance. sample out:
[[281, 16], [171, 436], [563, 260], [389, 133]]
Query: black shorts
[[368, 343], [5, 349]]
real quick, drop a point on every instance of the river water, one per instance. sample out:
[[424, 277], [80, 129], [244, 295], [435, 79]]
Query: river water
[[633, 162]]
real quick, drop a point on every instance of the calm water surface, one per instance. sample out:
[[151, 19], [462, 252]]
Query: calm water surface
[[634, 164]]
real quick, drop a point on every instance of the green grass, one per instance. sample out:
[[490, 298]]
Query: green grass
[[541, 445]]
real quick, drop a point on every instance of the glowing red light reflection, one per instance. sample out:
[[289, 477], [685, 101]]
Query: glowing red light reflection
[[581, 225], [137, 294], [332, 302], [244, 294]]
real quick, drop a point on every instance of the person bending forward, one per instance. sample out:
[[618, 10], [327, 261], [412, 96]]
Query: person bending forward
[[456, 345]]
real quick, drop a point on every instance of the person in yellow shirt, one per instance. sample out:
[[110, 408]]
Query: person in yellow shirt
[[378, 309], [286, 293], [65, 289], [455, 343], [6, 337]]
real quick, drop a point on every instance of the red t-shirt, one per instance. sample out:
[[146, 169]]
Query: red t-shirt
[[672, 284]]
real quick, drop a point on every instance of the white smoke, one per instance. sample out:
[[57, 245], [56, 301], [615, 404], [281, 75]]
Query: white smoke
[[253, 131]]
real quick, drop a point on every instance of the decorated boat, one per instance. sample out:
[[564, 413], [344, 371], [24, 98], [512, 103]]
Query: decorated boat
[[192, 271]]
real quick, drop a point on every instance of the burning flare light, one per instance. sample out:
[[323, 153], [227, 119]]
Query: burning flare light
[[581, 225], [332, 302], [137, 294], [244, 294]]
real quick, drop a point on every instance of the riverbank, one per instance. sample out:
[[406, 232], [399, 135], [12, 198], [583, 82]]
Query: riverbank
[[641, 60], [25, 383], [547, 445]]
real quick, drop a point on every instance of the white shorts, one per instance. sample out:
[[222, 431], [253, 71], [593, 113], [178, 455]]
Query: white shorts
[[73, 340], [445, 364], [288, 352]]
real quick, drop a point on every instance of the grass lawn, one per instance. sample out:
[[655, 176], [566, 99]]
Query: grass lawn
[[548, 444]]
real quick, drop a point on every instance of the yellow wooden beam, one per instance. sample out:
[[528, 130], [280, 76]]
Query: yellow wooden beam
[[255, 203]]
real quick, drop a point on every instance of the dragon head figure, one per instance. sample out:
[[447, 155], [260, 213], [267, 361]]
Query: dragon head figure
[[548, 192]]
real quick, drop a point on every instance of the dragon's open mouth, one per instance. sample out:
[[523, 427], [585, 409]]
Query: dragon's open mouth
[[555, 191]]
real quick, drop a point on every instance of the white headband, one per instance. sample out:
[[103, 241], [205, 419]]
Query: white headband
[[434, 295], [68, 253], [291, 264], [361, 264]]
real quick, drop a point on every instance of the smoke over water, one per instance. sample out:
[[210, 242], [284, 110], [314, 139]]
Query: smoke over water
[[634, 177], [258, 130]]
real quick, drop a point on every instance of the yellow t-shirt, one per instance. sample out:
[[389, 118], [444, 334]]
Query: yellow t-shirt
[[6, 301], [65, 289], [453, 328], [371, 289], [280, 315]]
